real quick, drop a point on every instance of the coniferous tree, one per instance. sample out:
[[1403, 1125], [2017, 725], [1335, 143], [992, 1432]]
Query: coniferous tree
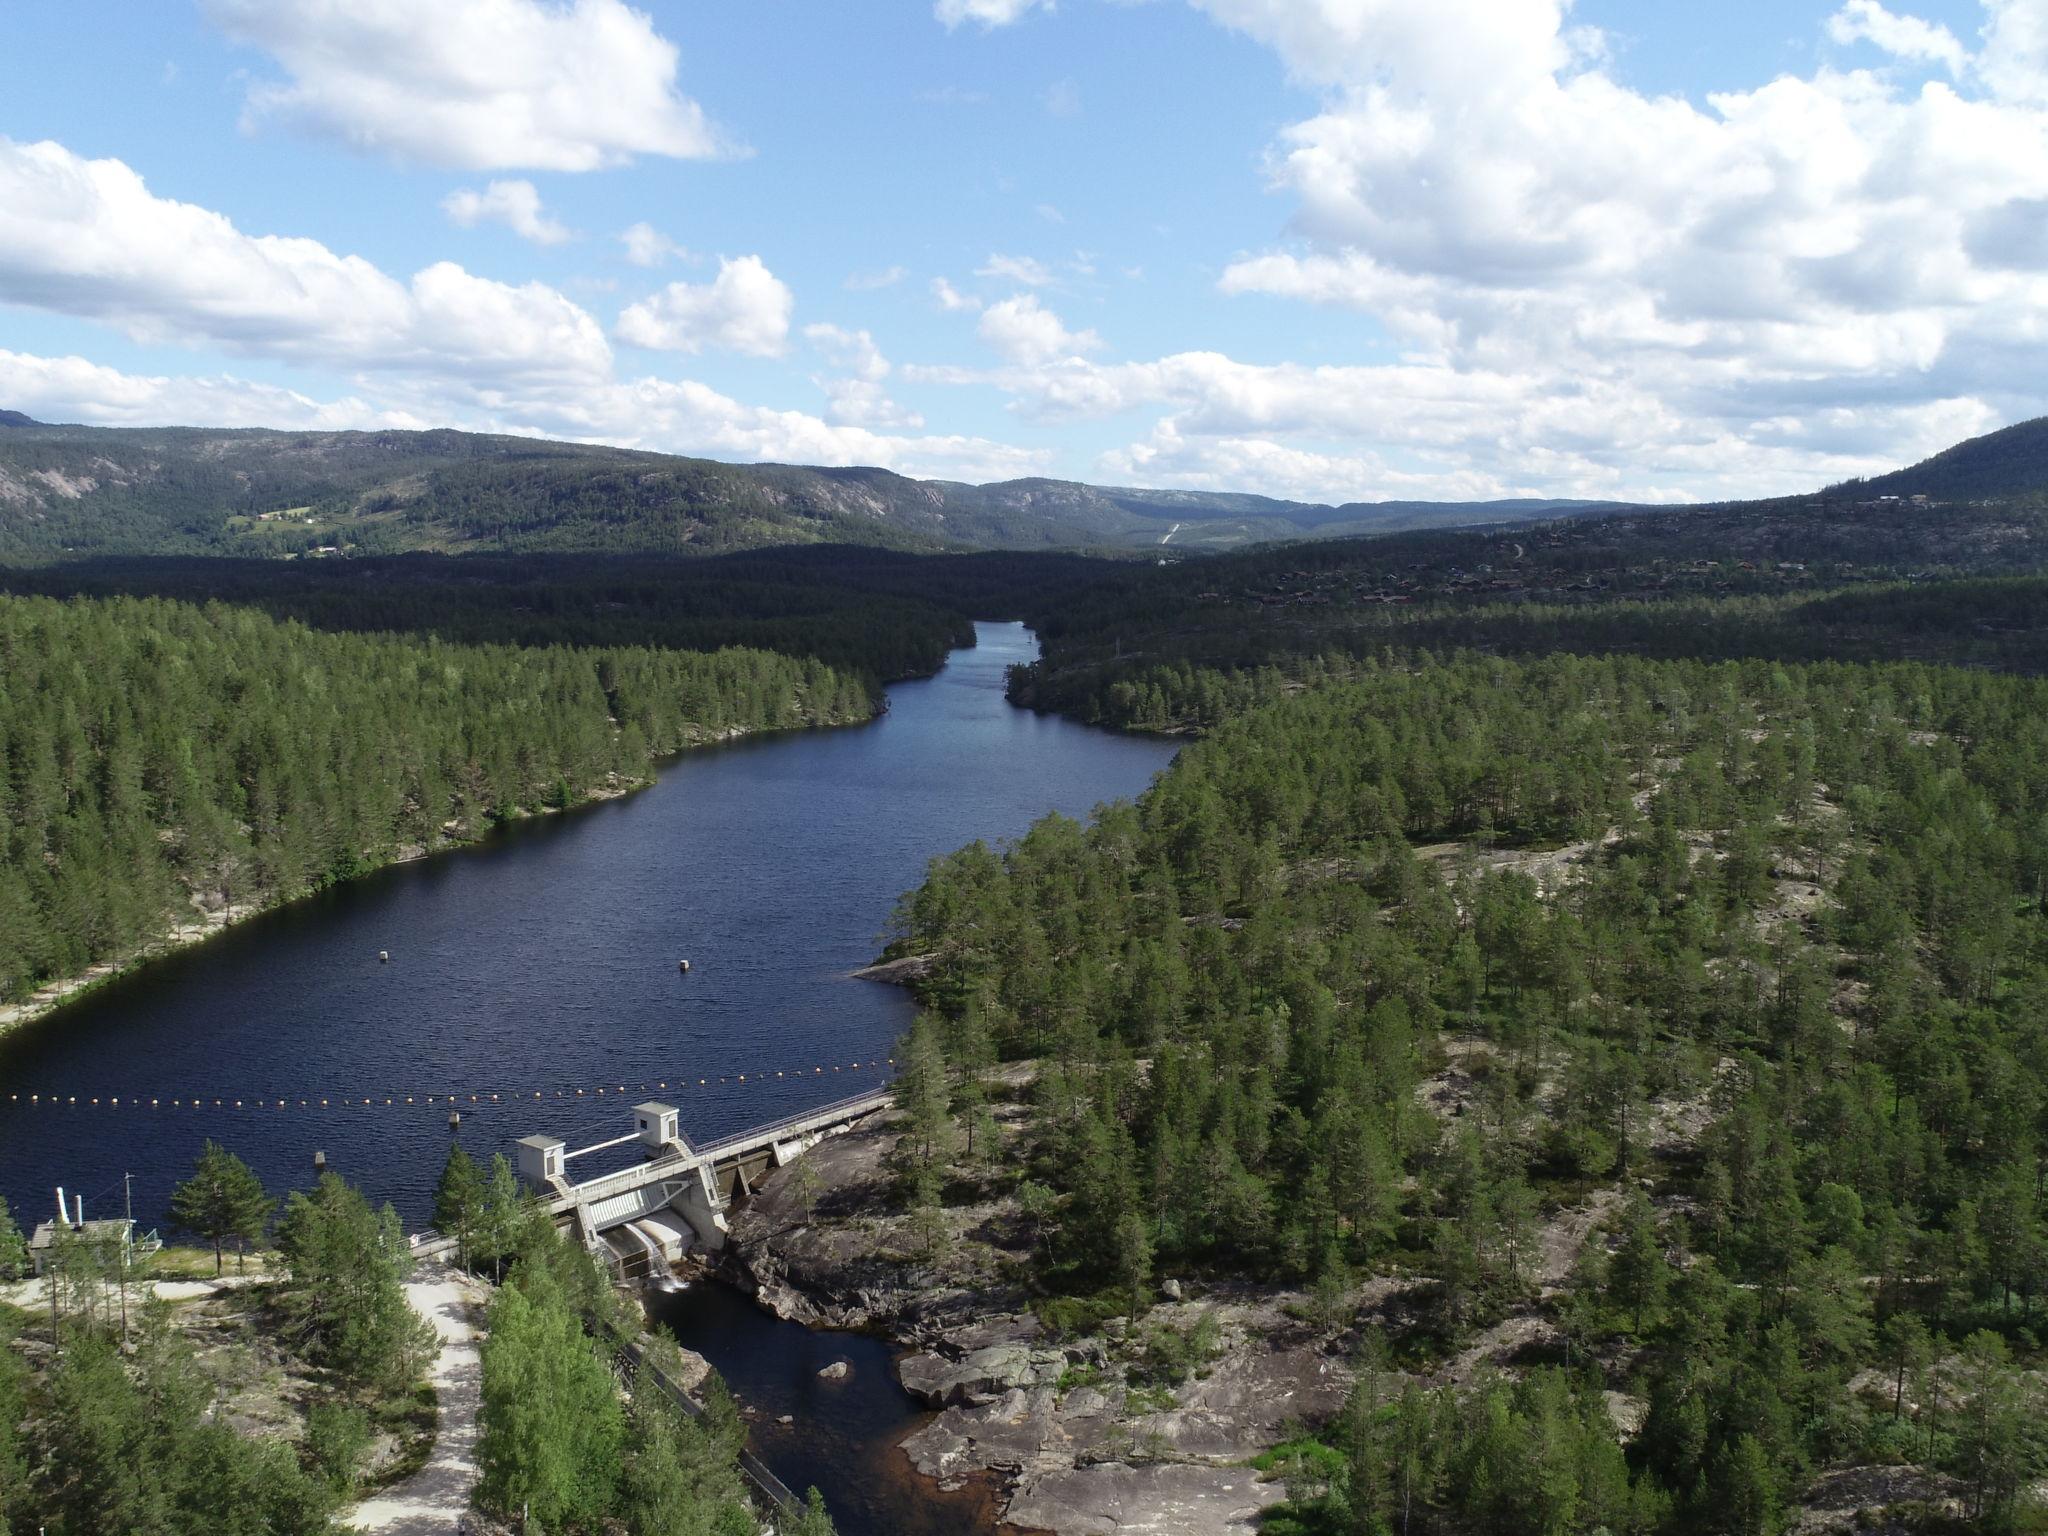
[[551, 1429], [346, 1264], [223, 1199], [13, 1247], [459, 1199]]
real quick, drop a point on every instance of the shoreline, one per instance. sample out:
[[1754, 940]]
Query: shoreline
[[54, 996]]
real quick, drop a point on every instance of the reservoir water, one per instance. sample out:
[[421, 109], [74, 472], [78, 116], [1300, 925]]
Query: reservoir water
[[545, 961]]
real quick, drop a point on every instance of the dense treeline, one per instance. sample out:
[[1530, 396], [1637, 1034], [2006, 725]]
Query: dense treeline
[[1247, 659], [153, 753], [1808, 900], [1827, 578], [875, 612]]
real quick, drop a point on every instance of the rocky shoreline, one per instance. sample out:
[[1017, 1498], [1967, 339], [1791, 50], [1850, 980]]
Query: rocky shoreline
[[1073, 1432]]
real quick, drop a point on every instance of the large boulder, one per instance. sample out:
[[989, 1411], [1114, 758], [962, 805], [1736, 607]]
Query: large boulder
[[980, 1376]]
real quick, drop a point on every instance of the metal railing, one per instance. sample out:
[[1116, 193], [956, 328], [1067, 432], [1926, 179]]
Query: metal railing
[[825, 1114], [766, 1483], [627, 1179], [667, 1166]]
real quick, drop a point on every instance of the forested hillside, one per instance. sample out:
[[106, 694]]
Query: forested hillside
[[1668, 1035], [163, 763], [67, 492], [2008, 464], [1847, 578]]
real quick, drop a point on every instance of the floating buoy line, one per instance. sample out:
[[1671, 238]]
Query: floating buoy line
[[452, 1101]]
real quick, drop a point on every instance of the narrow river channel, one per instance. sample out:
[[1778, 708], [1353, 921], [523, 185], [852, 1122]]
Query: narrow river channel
[[544, 961]]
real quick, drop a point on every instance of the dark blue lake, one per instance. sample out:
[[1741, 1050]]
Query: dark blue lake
[[545, 961]]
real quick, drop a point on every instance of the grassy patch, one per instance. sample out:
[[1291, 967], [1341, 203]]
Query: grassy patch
[[1303, 1452], [191, 1263]]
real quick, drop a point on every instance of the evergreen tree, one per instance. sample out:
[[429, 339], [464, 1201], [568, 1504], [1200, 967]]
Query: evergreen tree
[[223, 1199], [551, 1429], [679, 1477], [346, 1265], [811, 1520], [1639, 1274], [458, 1200], [924, 1097], [13, 1247]]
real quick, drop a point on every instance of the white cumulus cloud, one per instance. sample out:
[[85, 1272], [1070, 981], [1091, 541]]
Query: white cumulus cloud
[[88, 237], [746, 308], [479, 84], [515, 204], [1025, 331], [857, 395], [1769, 279]]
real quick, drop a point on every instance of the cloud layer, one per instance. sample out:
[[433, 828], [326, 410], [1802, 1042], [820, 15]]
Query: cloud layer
[[1547, 280]]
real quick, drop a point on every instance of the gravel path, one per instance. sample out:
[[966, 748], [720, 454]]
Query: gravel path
[[431, 1502]]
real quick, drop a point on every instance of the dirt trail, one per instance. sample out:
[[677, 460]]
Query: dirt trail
[[432, 1501]]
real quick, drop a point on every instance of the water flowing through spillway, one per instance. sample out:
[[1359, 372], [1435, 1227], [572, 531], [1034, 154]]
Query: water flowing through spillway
[[546, 962]]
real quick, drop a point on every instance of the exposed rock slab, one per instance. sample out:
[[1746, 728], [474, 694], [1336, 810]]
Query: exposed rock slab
[[1162, 1499]]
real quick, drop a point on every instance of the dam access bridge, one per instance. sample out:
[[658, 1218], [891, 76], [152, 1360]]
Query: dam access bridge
[[644, 1217]]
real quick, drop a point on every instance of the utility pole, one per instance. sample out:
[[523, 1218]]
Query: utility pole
[[126, 1239]]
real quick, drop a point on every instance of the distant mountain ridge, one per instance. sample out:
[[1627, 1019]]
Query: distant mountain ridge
[[72, 490]]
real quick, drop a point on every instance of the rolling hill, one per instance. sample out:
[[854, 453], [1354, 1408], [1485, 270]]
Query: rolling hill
[[2006, 465], [69, 491]]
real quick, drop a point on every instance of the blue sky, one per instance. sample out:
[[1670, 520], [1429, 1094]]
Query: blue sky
[[1328, 249]]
